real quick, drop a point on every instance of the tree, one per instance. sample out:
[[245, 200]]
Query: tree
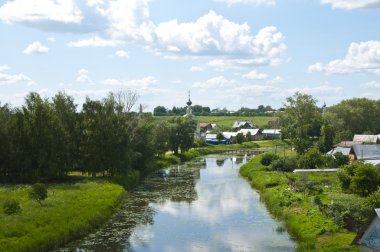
[[301, 121], [311, 159], [326, 141], [219, 137], [181, 134], [239, 138], [366, 179], [160, 111]]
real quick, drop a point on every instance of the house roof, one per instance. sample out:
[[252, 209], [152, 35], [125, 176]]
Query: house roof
[[253, 132], [203, 124], [366, 151], [365, 138], [343, 150], [347, 144], [228, 135], [239, 124], [272, 131]]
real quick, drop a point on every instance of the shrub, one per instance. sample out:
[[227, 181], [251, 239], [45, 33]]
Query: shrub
[[11, 206], [373, 200], [344, 178], [311, 159], [268, 158], [287, 164], [341, 159], [366, 179], [38, 192]]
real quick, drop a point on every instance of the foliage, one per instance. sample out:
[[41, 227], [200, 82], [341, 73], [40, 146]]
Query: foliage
[[268, 158], [355, 116], [301, 121], [11, 206], [38, 192], [311, 159], [219, 137], [181, 136], [286, 164], [239, 138], [341, 159], [359, 178], [326, 141]]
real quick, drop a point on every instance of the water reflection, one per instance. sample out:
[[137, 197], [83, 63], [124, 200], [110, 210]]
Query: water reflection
[[189, 208]]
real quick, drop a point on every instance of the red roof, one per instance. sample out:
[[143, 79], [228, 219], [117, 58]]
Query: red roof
[[203, 124]]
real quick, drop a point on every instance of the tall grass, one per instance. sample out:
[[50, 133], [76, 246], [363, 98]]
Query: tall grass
[[70, 211]]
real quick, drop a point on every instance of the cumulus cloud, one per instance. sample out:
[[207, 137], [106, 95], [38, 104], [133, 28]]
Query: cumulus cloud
[[84, 77], [196, 69], [276, 80], [37, 11], [216, 82], [95, 42], [36, 48], [363, 57], [254, 75], [10, 79], [352, 4], [122, 54], [251, 2], [371, 85]]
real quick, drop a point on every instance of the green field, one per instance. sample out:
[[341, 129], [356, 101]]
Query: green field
[[70, 211], [227, 121]]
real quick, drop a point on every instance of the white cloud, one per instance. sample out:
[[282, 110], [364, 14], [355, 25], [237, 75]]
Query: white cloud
[[252, 2], [51, 39], [216, 82], [254, 75], [4, 68], [371, 85], [10, 79], [276, 80], [361, 57], [145, 82], [196, 69], [36, 47], [37, 11], [352, 4], [122, 54], [213, 35], [84, 77], [95, 42]]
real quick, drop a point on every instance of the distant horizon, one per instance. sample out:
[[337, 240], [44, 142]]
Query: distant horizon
[[241, 53]]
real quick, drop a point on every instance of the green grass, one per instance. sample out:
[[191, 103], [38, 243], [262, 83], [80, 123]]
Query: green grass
[[227, 121], [304, 221], [70, 211]]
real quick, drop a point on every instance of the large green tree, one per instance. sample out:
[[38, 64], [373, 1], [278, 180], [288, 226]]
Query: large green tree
[[300, 121]]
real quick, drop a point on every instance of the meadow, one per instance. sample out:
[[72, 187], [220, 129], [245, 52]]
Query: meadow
[[70, 211]]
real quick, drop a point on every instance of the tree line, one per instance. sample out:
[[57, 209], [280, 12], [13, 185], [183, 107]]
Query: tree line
[[199, 110], [46, 139]]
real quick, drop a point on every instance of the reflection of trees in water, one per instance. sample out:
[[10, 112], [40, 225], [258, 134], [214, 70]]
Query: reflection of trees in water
[[239, 160], [177, 184], [220, 162]]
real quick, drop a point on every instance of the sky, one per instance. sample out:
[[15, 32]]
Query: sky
[[227, 53]]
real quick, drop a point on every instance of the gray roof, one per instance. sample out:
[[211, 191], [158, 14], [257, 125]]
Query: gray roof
[[272, 131], [366, 151], [343, 150], [365, 138], [210, 136], [347, 144], [254, 132], [239, 124]]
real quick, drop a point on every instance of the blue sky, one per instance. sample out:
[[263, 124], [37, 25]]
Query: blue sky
[[228, 53]]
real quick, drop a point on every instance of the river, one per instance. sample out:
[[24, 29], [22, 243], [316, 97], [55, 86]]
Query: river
[[202, 205]]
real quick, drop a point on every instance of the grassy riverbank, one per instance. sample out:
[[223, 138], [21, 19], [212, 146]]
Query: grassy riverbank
[[301, 215], [70, 211]]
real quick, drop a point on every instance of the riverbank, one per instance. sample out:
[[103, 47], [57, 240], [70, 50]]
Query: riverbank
[[70, 211], [302, 217]]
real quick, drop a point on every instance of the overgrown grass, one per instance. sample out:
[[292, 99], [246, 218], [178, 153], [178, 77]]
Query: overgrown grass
[[302, 217], [70, 211]]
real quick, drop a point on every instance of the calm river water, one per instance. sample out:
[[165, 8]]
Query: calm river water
[[200, 206]]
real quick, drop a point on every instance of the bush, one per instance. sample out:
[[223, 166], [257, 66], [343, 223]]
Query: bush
[[366, 179], [373, 200], [11, 206], [268, 158], [38, 192], [311, 159], [344, 178], [287, 164], [341, 159], [199, 142]]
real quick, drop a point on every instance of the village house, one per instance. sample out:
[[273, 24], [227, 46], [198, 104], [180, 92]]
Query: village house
[[212, 139], [272, 133], [256, 134], [242, 125], [205, 127], [369, 237], [369, 153]]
